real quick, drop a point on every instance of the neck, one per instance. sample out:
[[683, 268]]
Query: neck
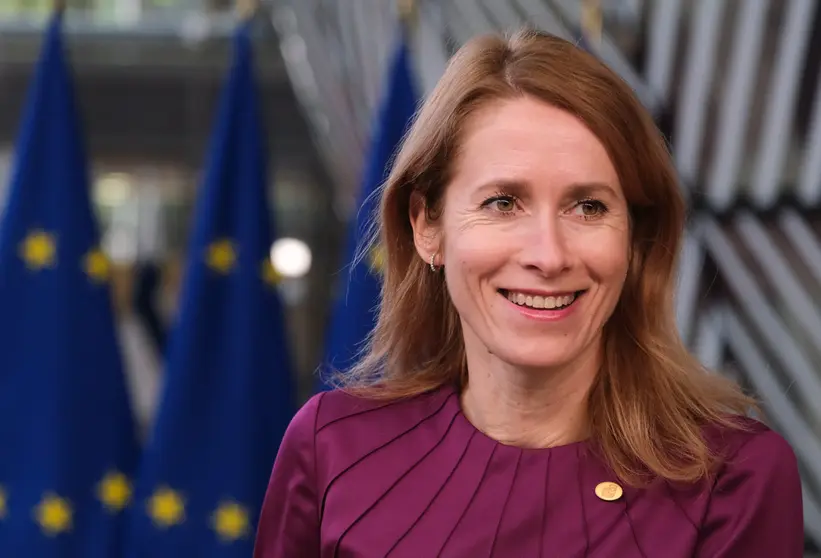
[[533, 408]]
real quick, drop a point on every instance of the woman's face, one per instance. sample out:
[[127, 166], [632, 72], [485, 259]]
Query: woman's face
[[534, 235]]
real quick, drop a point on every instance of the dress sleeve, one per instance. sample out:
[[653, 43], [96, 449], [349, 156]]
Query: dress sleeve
[[289, 520], [755, 508]]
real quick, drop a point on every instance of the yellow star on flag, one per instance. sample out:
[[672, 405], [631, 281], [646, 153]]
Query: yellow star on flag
[[114, 491], [230, 521], [53, 514], [97, 266], [376, 258], [269, 273], [4, 508], [221, 256], [39, 250], [166, 508]]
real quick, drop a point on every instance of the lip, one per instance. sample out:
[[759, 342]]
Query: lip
[[542, 315]]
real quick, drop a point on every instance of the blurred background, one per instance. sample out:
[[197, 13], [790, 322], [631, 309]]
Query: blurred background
[[732, 83]]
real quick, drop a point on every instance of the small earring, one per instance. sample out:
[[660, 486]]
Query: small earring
[[432, 264]]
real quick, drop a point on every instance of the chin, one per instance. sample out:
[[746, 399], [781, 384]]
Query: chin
[[540, 357]]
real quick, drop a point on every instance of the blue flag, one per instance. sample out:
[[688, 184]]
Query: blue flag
[[67, 434], [356, 307], [228, 393]]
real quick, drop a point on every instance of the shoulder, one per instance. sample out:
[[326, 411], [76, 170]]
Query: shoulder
[[753, 448], [288, 522], [754, 507], [752, 461], [750, 506], [351, 430], [298, 441], [337, 413], [340, 411], [757, 470]]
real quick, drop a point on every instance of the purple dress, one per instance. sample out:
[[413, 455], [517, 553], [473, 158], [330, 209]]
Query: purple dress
[[414, 479]]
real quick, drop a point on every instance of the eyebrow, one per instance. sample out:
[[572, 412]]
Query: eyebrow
[[589, 189], [576, 189], [517, 187]]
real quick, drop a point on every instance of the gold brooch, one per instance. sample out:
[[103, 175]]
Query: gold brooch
[[609, 491]]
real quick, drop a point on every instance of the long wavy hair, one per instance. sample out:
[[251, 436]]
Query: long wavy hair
[[652, 399]]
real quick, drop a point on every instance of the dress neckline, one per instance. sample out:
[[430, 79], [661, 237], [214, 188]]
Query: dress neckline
[[454, 402]]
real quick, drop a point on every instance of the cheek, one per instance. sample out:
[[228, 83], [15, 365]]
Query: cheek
[[606, 255], [474, 249]]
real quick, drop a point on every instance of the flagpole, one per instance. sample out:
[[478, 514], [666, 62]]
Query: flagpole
[[407, 10], [592, 20], [246, 9]]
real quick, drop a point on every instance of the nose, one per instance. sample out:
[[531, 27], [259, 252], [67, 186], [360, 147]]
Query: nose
[[545, 249]]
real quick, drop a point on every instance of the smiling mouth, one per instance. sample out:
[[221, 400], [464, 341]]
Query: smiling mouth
[[538, 302]]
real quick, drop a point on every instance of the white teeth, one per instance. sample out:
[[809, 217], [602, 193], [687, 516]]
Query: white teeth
[[550, 302]]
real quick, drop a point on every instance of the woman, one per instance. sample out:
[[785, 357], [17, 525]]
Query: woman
[[525, 392]]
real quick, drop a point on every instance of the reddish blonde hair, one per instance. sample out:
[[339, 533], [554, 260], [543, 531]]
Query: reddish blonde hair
[[652, 399]]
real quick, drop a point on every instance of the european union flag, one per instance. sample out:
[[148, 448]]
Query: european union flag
[[355, 312], [590, 27], [66, 430], [228, 393]]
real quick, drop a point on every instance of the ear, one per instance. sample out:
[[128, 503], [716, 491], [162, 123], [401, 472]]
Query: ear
[[426, 233]]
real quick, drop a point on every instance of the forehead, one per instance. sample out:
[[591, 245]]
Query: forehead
[[528, 140]]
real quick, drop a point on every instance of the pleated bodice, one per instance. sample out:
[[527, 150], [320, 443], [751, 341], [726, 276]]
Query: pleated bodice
[[416, 479]]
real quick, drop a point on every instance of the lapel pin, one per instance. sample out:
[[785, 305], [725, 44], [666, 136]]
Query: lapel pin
[[609, 491]]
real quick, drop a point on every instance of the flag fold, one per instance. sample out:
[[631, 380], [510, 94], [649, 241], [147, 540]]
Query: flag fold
[[228, 391]]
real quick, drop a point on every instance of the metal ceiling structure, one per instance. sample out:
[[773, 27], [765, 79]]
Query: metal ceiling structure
[[736, 90]]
